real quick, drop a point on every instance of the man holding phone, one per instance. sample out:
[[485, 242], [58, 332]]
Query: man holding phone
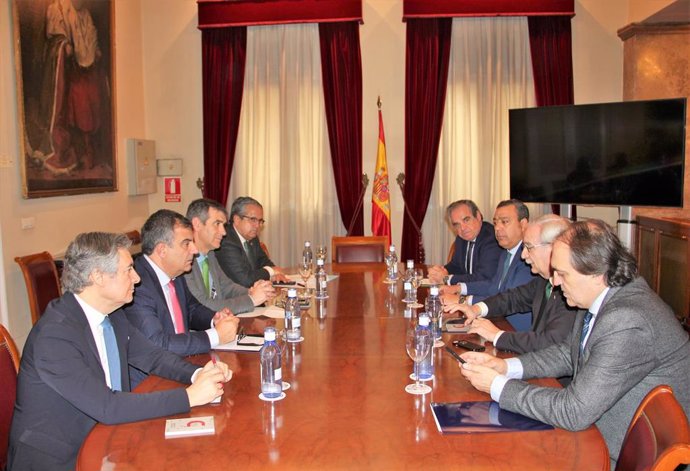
[[552, 319], [628, 342]]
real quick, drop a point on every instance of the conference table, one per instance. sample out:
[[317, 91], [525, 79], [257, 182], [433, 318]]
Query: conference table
[[346, 407]]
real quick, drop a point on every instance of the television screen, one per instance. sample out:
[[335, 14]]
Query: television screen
[[630, 153]]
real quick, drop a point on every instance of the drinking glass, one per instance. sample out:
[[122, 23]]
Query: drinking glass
[[418, 346], [305, 273], [321, 252]]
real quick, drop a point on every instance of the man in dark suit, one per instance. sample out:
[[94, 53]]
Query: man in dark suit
[[510, 221], [163, 309], [552, 319], [73, 372], [476, 251], [206, 280], [628, 342], [240, 255]]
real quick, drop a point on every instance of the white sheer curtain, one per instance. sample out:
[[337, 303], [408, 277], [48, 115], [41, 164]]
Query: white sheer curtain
[[490, 72], [283, 158]]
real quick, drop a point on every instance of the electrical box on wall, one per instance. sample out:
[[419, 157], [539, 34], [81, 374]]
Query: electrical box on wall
[[141, 166]]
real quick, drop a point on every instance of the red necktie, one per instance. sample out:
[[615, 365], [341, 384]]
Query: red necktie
[[177, 310]]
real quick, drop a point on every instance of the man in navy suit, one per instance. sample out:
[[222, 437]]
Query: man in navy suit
[[241, 256], [164, 309], [510, 221], [476, 250], [73, 372]]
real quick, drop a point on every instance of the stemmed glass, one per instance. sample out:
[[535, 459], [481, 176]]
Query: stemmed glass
[[321, 252], [305, 272], [418, 346]]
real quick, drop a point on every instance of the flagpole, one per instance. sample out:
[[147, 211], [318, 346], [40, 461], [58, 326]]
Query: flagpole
[[365, 183]]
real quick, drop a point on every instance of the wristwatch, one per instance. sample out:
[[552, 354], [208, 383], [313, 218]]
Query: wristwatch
[[446, 279]]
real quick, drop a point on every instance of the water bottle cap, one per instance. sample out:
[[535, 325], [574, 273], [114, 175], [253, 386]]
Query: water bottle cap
[[319, 262], [391, 248], [407, 285], [292, 293], [269, 334], [410, 264], [433, 290], [307, 243], [423, 319]]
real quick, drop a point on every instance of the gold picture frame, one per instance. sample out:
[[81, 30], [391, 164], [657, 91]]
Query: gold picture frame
[[65, 65]]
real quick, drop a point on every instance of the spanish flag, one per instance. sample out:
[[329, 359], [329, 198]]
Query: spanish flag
[[380, 197]]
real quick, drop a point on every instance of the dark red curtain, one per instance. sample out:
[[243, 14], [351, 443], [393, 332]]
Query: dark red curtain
[[341, 69], [426, 76], [222, 60], [552, 64]]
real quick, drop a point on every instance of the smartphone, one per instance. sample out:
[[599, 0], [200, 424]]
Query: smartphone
[[457, 321], [455, 355], [473, 347]]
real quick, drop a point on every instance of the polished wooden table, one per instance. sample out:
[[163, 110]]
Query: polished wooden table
[[346, 408]]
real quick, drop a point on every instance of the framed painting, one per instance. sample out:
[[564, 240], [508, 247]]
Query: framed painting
[[65, 68]]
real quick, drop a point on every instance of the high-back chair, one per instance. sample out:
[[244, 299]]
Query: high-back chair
[[658, 438], [42, 281], [359, 249], [9, 366]]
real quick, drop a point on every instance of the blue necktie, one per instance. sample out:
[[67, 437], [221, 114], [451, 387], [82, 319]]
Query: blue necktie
[[585, 329], [506, 265], [113, 354]]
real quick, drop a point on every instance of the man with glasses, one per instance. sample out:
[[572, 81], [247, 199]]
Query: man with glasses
[[552, 319], [623, 343], [240, 255]]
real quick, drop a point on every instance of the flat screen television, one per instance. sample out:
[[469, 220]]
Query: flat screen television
[[618, 154]]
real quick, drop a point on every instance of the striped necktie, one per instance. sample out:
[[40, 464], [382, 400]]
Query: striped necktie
[[468, 257], [585, 330], [113, 354]]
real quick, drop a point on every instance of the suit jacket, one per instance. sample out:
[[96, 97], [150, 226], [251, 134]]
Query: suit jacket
[[149, 313], [62, 392], [484, 260], [635, 344], [519, 273], [242, 267], [227, 293], [551, 323]]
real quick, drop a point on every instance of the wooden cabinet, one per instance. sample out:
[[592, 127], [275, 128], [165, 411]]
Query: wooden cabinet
[[663, 255]]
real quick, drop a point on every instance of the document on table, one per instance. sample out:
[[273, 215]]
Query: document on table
[[248, 343], [274, 312], [189, 427]]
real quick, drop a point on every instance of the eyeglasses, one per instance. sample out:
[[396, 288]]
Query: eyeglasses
[[531, 247], [254, 220]]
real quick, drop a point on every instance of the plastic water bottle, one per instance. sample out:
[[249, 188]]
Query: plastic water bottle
[[426, 367], [409, 270], [392, 263], [293, 330], [307, 254], [321, 280], [435, 310], [409, 292], [271, 371]]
